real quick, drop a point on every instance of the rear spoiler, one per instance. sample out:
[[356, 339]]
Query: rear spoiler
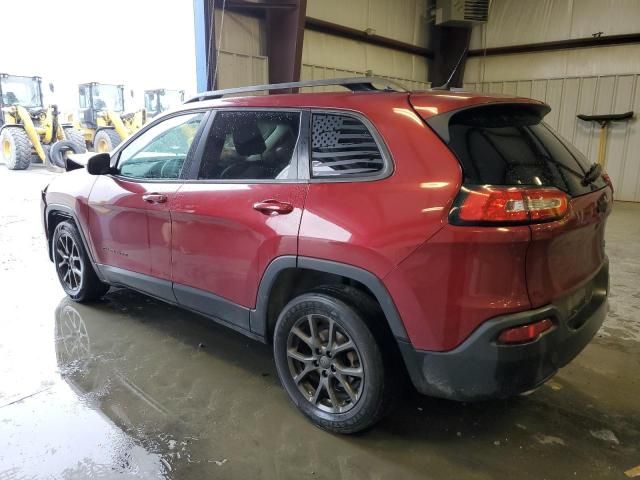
[[440, 123]]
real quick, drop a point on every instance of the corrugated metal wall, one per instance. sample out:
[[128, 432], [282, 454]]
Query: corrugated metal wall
[[328, 56], [403, 20], [517, 22], [319, 72], [514, 22], [583, 80], [589, 95], [241, 60], [239, 70]]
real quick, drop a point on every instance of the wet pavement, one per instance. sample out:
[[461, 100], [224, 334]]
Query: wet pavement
[[131, 387]]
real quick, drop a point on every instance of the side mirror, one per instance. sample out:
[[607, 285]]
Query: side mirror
[[99, 164]]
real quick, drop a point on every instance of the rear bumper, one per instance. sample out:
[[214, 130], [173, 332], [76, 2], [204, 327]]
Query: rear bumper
[[480, 368]]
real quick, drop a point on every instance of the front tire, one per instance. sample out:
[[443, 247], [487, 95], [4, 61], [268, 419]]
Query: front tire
[[15, 148], [330, 363], [73, 265], [106, 140]]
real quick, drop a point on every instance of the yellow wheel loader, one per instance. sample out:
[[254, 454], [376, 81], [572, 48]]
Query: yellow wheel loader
[[161, 99], [28, 129], [102, 118]]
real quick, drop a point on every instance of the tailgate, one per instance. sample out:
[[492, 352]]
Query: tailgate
[[508, 145], [564, 255]]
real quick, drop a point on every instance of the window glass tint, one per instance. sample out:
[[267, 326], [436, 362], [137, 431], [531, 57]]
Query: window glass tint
[[161, 151], [507, 145], [343, 146], [251, 145]]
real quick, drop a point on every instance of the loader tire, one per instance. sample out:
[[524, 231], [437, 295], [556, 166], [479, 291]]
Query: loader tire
[[106, 140], [76, 138], [15, 148], [59, 152]]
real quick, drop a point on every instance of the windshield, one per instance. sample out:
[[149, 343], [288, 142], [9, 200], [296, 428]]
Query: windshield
[[107, 97], [171, 98], [24, 91], [167, 99]]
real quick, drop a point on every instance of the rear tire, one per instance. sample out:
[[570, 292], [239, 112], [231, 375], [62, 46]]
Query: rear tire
[[73, 265], [342, 385], [106, 140], [76, 138], [15, 148]]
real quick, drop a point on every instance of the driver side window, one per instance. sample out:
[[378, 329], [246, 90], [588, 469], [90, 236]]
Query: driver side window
[[161, 151], [251, 145]]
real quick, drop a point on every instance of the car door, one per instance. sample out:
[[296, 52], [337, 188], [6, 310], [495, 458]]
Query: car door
[[241, 210], [129, 215]]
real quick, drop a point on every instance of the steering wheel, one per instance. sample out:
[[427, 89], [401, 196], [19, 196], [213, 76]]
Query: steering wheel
[[226, 173], [171, 168]]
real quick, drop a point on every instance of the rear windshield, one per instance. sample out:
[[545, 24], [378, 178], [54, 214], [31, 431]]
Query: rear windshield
[[511, 145]]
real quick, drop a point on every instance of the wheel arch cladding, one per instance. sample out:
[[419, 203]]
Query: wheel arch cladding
[[59, 213], [306, 273]]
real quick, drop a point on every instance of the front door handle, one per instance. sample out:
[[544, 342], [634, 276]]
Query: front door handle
[[154, 197], [273, 207]]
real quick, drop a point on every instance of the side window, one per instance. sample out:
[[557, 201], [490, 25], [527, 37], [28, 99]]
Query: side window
[[161, 151], [84, 96], [342, 146], [251, 145]]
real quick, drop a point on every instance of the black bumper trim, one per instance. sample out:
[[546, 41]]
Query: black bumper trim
[[480, 368]]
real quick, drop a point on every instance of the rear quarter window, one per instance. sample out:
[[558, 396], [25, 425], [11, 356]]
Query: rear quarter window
[[342, 146], [511, 145]]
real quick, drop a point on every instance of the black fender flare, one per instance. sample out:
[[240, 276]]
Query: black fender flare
[[258, 319], [69, 212]]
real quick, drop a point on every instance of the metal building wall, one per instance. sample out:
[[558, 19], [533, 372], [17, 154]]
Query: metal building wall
[[328, 56], [584, 80], [242, 60]]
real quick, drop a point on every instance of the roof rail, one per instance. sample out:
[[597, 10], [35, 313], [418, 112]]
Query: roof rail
[[357, 84]]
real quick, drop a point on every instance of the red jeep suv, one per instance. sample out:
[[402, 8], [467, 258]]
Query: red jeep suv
[[366, 234]]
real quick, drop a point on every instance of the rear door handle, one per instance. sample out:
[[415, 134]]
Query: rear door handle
[[273, 207], [154, 197]]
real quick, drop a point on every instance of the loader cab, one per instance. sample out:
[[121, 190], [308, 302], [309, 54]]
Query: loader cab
[[160, 100], [99, 97], [20, 90]]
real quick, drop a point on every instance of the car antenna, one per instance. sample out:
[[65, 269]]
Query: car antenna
[[445, 86]]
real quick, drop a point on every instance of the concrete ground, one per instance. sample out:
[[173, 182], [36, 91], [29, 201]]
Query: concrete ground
[[133, 387]]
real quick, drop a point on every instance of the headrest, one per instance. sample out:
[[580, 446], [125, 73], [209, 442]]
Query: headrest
[[247, 137]]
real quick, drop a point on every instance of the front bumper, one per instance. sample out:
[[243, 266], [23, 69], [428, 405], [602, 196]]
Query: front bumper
[[480, 368]]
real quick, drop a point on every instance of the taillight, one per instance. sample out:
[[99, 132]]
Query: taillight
[[525, 333], [497, 205]]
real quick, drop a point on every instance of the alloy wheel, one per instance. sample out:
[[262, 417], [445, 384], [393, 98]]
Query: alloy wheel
[[74, 336], [69, 262], [325, 364]]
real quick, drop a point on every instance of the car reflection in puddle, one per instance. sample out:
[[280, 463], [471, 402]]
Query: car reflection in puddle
[[91, 352], [179, 386]]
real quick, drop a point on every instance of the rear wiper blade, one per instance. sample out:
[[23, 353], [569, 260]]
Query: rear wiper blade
[[592, 174]]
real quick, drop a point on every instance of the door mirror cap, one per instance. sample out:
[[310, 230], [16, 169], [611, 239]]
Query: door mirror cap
[[99, 164]]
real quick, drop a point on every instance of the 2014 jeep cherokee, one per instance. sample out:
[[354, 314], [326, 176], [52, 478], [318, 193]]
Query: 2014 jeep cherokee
[[365, 234]]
